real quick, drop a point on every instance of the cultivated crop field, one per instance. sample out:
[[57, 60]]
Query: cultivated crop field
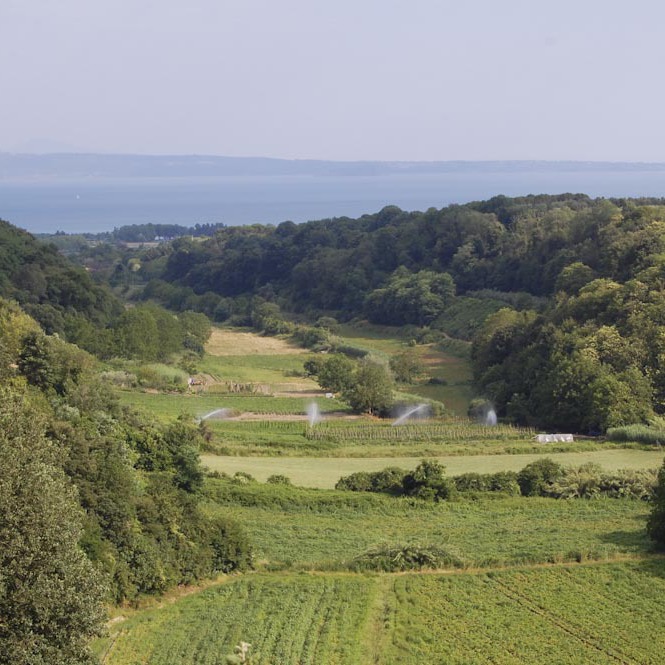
[[597, 613], [601, 614], [293, 619]]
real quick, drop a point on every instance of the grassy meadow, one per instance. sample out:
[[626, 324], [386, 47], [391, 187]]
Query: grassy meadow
[[453, 369], [324, 529], [324, 472]]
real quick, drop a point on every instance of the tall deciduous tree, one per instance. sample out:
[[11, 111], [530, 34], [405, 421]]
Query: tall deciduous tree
[[372, 389], [50, 594]]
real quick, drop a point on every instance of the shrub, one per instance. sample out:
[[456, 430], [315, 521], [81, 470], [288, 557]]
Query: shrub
[[502, 481], [230, 546], [387, 558], [583, 482], [243, 478], [633, 483], [279, 479], [536, 478], [360, 481], [428, 481], [650, 434]]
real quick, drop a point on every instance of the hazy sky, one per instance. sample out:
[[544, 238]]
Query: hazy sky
[[341, 79]]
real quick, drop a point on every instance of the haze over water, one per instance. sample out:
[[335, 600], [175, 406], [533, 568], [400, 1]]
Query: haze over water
[[100, 204]]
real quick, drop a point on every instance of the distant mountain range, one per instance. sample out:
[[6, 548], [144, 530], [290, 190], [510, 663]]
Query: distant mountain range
[[15, 166]]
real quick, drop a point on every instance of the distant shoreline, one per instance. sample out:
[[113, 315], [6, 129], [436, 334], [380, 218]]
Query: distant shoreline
[[58, 166]]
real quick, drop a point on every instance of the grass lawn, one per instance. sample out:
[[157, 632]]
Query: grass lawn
[[171, 405], [325, 472]]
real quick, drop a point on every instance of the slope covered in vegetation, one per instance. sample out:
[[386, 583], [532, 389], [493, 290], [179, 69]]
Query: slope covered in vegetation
[[563, 295]]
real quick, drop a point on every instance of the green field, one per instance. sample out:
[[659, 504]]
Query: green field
[[600, 613], [261, 369], [455, 370], [532, 580], [324, 472], [367, 437], [302, 619], [171, 405], [325, 529]]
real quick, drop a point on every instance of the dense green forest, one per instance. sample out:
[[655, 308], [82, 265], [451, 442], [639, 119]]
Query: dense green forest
[[79, 475], [563, 296], [65, 300]]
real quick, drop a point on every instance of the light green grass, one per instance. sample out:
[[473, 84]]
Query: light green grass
[[369, 437], [599, 613], [384, 341], [292, 619], [325, 472], [381, 340], [324, 529], [167, 371], [268, 369], [170, 406]]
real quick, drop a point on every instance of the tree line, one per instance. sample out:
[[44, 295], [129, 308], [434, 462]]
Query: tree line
[[563, 296]]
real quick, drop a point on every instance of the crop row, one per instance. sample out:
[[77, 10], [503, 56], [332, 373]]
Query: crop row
[[304, 620], [597, 614], [601, 613], [424, 432]]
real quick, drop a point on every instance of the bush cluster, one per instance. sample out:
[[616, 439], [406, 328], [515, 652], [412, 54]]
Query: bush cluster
[[541, 478], [426, 481]]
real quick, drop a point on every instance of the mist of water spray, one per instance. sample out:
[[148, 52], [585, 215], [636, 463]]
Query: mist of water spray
[[217, 414], [313, 414], [410, 412], [490, 418]]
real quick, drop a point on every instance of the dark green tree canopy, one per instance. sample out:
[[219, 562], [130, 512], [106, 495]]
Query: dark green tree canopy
[[51, 595]]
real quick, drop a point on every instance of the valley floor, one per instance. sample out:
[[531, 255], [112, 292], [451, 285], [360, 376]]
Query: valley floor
[[532, 580]]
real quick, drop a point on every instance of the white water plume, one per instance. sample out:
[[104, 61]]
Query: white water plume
[[216, 414], [421, 410], [490, 418], [313, 414]]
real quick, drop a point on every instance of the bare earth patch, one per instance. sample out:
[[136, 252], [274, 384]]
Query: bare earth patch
[[234, 343]]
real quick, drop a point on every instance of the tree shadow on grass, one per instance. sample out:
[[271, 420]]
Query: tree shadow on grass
[[654, 566], [634, 541]]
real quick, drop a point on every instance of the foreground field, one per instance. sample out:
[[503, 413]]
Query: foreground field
[[600, 613], [592, 614], [324, 472], [287, 620]]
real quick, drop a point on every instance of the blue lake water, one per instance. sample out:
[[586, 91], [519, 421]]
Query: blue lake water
[[94, 205]]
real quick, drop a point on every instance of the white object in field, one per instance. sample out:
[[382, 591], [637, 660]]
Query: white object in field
[[554, 438]]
